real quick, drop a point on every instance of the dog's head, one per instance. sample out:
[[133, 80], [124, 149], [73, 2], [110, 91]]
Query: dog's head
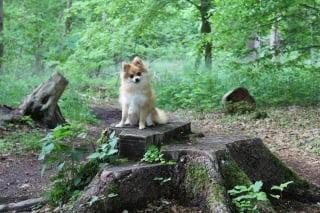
[[134, 72]]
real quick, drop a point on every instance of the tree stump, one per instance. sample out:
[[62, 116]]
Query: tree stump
[[41, 104], [205, 169]]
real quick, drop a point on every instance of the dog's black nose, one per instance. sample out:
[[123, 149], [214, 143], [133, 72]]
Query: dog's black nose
[[137, 80]]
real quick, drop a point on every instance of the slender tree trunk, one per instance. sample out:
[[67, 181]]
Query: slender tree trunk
[[38, 64], [1, 33], [68, 21], [274, 40], [206, 29], [206, 48]]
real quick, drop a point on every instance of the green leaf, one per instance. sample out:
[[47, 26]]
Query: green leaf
[[46, 150], [261, 196], [93, 200], [76, 180], [60, 166], [111, 195], [275, 196], [94, 155], [43, 169], [257, 186]]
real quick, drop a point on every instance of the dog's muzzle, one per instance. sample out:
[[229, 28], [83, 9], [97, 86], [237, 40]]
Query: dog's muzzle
[[136, 80]]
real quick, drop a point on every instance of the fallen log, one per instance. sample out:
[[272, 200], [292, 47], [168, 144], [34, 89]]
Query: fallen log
[[22, 205], [41, 104]]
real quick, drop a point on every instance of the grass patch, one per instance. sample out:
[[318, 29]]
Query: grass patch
[[20, 142]]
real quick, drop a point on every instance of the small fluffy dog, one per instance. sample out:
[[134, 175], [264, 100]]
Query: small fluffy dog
[[137, 97]]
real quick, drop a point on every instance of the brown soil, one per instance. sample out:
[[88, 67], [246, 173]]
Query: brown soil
[[293, 133]]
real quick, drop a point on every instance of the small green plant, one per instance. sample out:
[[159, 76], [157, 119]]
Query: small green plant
[[95, 198], [280, 188], [245, 198], [153, 155], [71, 177], [162, 180], [59, 149], [106, 149]]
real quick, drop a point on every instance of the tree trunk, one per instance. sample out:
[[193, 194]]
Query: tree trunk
[[68, 21], [1, 32], [41, 104], [205, 30], [274, 41]]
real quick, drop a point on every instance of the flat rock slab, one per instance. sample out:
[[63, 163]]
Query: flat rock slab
[[134, 142]]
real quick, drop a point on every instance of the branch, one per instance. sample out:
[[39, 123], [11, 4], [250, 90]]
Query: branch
[[310, 7], [194, 4]]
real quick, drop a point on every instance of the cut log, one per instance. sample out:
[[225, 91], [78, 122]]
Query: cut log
[[41, 105], [205, 169]]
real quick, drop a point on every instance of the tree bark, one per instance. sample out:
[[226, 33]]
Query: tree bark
[[41, 104], [1, 32], [68, 21], [205, 30], [274, 40]]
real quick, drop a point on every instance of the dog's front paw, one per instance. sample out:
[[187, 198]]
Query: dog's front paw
[[142, 126], [119, 125]]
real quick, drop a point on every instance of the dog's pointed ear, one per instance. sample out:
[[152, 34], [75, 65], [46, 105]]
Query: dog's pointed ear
[[137, 61], [125, 66]]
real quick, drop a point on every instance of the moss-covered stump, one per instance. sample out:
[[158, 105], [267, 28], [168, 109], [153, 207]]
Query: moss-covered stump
[[205, 169]]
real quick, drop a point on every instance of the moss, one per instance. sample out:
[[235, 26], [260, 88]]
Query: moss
[[218, 193], [197, 176], [234, 175], [286, 174], [198, 179]]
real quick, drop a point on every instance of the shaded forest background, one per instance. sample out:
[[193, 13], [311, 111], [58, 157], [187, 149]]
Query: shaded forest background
[[196, 50]]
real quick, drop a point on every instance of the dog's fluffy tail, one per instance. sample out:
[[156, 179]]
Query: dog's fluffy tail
[[159, 116]]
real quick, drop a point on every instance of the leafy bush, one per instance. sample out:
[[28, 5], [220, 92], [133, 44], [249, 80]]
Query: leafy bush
[[60, 149]]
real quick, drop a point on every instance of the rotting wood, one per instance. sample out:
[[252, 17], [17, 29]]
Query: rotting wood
[[22, 205], [42, 105]]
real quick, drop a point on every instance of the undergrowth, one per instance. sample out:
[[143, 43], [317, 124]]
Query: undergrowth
[[61, 150]]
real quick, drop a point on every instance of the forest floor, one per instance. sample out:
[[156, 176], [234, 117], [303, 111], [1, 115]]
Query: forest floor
[[292, 133]]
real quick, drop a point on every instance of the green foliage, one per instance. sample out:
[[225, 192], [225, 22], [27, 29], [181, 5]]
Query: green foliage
[[280, 188], [246, 198], [20, 142], [90, 54], [60, 148], [95, 199], [153, 155], [106, 149]]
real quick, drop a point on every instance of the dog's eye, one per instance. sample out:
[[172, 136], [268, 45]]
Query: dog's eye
[[138, 73], [131, 76]]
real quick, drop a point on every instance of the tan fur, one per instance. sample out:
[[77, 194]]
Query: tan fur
[[137, 97]]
